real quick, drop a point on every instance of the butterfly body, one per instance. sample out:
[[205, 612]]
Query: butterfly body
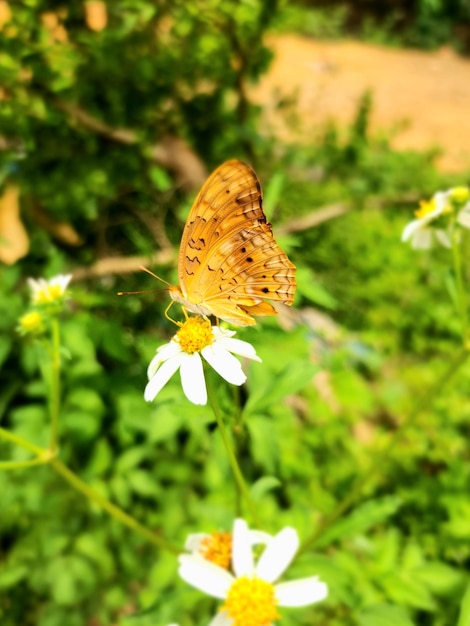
[[229, 263]]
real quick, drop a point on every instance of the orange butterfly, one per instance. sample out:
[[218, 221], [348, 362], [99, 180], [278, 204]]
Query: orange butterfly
[[229, 263]]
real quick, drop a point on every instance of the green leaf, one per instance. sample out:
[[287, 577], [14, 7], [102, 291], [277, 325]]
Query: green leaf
[[264, 440], [164, 423], [291, 379], [11, 575], [272, 191], [263, 486], [383, 615], [405, 589], [160, 178], [313, 290], [130, 459], [101, 459], [361, 519], [440, 578], [142, 483], [464, 617], [92, 548]]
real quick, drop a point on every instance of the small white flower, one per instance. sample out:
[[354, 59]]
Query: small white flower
[[195, 337], [463, 218], [47, 291], [216, 547], [250, 593], [419, 231]]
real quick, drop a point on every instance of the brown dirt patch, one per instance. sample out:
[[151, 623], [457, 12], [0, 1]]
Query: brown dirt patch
[[425, 95]]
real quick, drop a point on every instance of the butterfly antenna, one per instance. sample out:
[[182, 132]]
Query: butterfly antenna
[[162, 280], [134, 293]]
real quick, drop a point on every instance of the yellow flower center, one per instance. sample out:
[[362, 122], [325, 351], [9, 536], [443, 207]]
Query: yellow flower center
[[217, 548], [194, 335], [425, 207], [251, 602], [428, 206], [31, 322], [48, 293]]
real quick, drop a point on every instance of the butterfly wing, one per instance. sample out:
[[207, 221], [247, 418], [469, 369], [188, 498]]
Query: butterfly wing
[[229, 262]]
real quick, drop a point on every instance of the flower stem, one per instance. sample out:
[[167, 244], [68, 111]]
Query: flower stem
[[54, 402], [381, 456], [240, 481], [44, 457], [19, 441], [461, 298], [11, 465], [109, 507], [41, 456]]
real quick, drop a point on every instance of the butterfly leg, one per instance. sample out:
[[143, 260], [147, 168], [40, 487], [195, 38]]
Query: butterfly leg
[[170, 319]]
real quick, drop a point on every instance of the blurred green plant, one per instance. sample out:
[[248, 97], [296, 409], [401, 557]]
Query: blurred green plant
[[85, 130], [425, 24]]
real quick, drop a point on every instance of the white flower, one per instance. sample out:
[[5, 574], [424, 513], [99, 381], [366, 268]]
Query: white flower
[[463, 218], [195, 337], [216, 547], [250, 595], [47, 291], [419, 231]]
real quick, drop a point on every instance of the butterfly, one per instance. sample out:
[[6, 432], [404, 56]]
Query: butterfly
[[229, 263]]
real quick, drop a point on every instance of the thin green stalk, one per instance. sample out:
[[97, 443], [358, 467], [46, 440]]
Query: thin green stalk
[[240, 481], [12, 465], [110, 508], [47, 457], [461, 296], [22, 443], [380, 458], [54, 403]]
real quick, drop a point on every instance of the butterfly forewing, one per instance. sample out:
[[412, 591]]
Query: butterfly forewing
[[229, 260]]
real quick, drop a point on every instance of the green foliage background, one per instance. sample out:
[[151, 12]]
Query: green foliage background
[[80, 119]]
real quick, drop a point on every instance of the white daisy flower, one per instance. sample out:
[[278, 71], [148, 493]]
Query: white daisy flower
[[250, 592], [462, 195], [48, 291], [216, 547], [419, 231], [195, 337]]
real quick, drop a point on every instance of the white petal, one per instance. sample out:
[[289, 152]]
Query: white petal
[[422, 239], [219, 333], [205, 576], [259, 537], [224, 363], [440, 201], [33, 283], [164, 353], [221, 619], [242, 553], [193, 542], [192, 379], [410, 229], [62, 280], [278, 554], [463, 218], [161, 377], [301, 592], [237, 346], [442, 237]]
